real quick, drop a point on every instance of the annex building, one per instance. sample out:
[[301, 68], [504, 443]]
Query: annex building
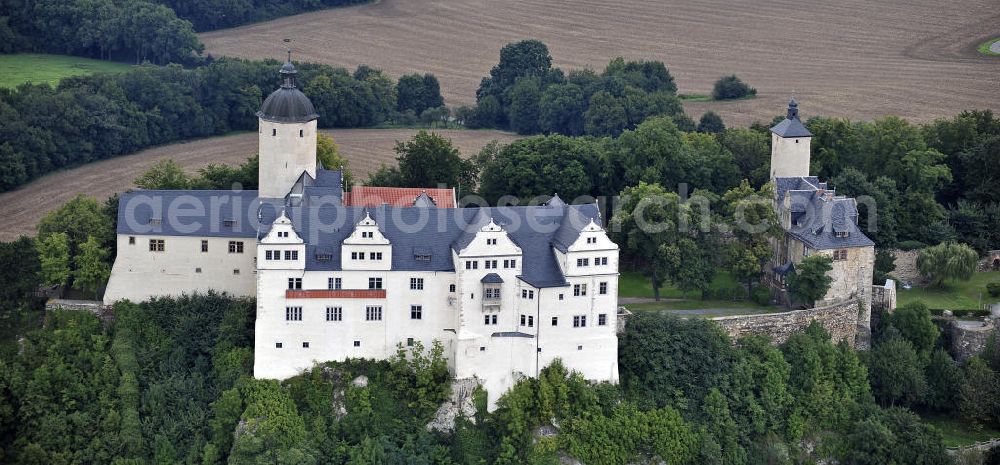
[[340, 275]]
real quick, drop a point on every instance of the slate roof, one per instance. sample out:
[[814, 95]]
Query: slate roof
[[818, 214], [491, 278], [791, 126], [188, 213], [287, 104]]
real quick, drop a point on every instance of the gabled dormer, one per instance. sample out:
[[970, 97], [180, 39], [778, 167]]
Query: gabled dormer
[[281, 247], [490, 240], [367, 248], [591, 252]]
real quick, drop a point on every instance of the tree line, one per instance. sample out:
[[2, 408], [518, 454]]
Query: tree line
[[90, 118]]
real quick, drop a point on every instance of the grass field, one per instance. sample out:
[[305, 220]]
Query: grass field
[[954, 294], [959, 432], [365, 149], [853, 58], [634, 284], [37, 68], [987, 48]]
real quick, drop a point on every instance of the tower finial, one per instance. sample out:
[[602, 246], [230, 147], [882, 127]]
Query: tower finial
[[793, 109]]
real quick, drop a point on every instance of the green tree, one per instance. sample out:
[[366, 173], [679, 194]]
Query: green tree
[[53, 253], [870, 443], [418, 93], [977, 395], [560, 110], [92, 270], [947, 261], [647, 224], [711, 122], [897, 375], [913, 321], [751, 151], [754, 224], [429, 159], [810, 282], [522, 114], [328, 153], [605, 115], [944, 378], [542, 165], [731, 87], [80, 218], [165, 174]]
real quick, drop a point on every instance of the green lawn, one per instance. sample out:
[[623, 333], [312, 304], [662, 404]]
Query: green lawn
[[634, 284], [958, 432], [953, 294], [34, 67], [984, 47]]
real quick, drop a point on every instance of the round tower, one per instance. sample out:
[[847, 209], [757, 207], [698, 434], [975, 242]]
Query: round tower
[[286, 136], [790, 145]]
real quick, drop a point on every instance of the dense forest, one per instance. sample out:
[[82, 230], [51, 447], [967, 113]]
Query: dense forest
[[95, 117], [168, 381]]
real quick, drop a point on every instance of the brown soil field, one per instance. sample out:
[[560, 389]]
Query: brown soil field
[[365, 149], [854, 58]]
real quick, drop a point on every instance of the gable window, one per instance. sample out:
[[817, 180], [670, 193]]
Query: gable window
[[229, 223], [291, 255], [531, 321], [591, 240], [555, 321], [374, 283], [156, 245], [236, 271], [583, 262], [357, 343], [417, 284], [375, 255], [277, 345], [491, 242], [523, 319], [471, 265], [451, 288], [155, 221], [416, 312], [334, 283], [842, 234], [602, 319], [579, 321], [602, 288], [840, 254], [603, 261], [293, 313], [305, 345], [560, 297], [234, 246], [373, 313], [579, 289], [131, 240], [295, 283], [334, 314], [531, 294]]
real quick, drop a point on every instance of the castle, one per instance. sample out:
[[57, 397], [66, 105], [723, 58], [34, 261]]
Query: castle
[[815, 220], [338, 275]]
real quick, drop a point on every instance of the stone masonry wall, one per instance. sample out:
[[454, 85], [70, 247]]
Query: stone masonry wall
[[906, 266], [969, 338], [840, 319]]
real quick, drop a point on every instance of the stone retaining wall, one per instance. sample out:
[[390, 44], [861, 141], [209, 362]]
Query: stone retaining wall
[[906, 266], [840, 319], [969, 339]]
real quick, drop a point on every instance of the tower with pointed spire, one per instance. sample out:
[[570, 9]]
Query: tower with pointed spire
[[287, 136], [790, 142]]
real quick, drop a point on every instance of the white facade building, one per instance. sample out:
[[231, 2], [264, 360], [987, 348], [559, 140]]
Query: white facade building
[[505, 290]]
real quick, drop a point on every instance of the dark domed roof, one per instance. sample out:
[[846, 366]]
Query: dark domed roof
[[287, 104]]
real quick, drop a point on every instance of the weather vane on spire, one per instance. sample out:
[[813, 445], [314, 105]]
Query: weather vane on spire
[[289, 49]]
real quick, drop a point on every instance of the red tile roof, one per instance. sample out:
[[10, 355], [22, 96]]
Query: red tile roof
[[363, 196]]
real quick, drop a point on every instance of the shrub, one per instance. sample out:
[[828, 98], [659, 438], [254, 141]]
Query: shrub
[[911, 245], [761, 295], [731, 87], [993, 289]]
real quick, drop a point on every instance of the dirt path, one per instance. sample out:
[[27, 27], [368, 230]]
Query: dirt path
[[366, 150], [855, 58]]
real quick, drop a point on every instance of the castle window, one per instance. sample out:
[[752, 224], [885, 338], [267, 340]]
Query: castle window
[[277, 345], [301, 133], [591, 240], [482, 348], [236, 271], [197, 270], [560, 297], [305, 345], [602, 288], [156, 245], [523, 318], [293, 313], [357, 343], [268, 255], [155, 221], [409, 342], [373, 313], [295, 283], [334, 283], [491, 293], [602, 319], [840, 254], [579, 289], [374, 283], [513, 263], [451, 288], [334, 314], [274, 132], [842, 234], [579, 347], [531, 321], [131, 240], [416, 312], [555, 321], [582, 262], [204, 246], [531, 294], [604, 261], [324, 256], [579, 321], [489, 320], [229, 223], [417, 284], [471, 265], [234, 246], [491, 242]]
